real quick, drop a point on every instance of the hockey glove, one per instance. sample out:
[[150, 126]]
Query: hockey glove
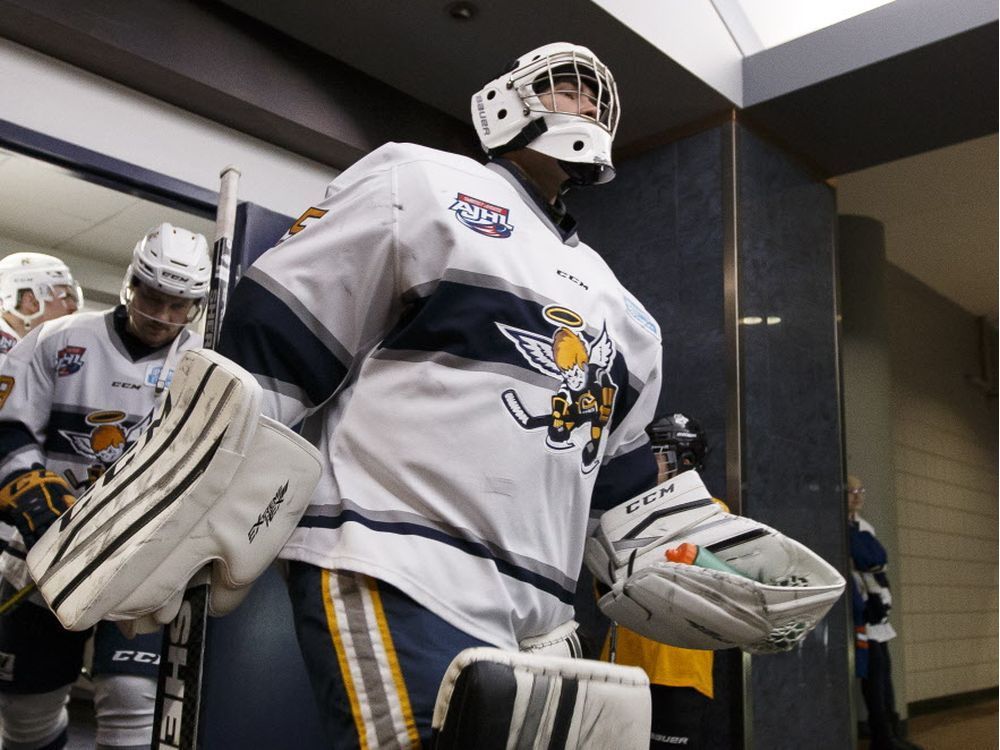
[[32, 499], [784, 591]]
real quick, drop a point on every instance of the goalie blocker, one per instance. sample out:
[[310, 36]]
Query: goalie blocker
[[212, 482], [785, 591]]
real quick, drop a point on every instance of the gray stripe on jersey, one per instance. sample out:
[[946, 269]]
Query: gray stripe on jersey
[[379, 709], [310, 321], [288, 390], [455, 362], [401, 516]]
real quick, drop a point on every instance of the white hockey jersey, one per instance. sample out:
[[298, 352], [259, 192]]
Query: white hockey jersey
[[429, 319], [72, 399]]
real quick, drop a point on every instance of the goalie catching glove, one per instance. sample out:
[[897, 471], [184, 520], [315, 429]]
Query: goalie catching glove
[[31, 500], [212, 483], [785, 589]]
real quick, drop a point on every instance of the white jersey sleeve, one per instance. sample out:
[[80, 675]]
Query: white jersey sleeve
[[328, 291], [25, 404]]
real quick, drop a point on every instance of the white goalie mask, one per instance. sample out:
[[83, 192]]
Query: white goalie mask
[[171, 260], [524, 108], [45, 276]]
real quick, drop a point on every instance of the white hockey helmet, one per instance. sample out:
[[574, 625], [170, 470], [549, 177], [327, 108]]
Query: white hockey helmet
[[171, 260], [39, 273], [510, 112]]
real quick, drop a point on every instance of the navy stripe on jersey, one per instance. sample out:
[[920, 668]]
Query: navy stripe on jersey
[[13, 437], [75, 423], [469, 546], [624, 477], [459, 319], [262, 334]]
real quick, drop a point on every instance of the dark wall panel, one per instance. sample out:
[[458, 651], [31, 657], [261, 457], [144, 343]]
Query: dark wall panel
[[659, 227], [791, 425]]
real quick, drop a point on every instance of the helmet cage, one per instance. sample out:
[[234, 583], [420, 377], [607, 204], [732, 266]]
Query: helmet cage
[[589, 81]]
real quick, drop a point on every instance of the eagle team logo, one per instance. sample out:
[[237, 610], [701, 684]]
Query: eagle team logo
[[69, 360], [482, 217], [586, 393], [104, 443]]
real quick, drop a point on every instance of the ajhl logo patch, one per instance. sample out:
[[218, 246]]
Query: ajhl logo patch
[[69, 360], [480, 216]]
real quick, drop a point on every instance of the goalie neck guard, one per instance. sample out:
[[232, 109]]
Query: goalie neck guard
[[576, 126]]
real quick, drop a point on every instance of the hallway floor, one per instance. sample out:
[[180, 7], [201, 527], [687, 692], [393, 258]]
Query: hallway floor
[[967, 728]]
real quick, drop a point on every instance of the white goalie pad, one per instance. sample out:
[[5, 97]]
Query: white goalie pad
[[211, 482], [786, 591], [492, 700]]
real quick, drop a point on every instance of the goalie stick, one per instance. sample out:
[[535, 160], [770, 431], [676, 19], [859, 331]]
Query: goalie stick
[[182, 653]]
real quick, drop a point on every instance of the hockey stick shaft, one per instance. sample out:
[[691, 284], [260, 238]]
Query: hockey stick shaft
[[182, 653], [225, 227]]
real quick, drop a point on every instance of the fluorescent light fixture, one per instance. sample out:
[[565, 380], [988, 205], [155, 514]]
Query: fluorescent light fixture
[[752, 320], [773, 320]]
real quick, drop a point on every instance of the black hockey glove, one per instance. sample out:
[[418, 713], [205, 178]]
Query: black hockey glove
[[32, 499]]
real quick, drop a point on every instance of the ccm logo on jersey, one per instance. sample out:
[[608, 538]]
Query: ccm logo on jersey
[[482, 217], [69, 360], [140, 657]]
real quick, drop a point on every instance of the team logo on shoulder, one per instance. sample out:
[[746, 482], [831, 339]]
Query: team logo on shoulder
[[6, 342], [310, 216], [585, 396], [69, 360], [482, 217], [104, 444]]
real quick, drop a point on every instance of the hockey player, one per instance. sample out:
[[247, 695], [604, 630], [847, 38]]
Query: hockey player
[[78, 391], [472, 374], [34, 287]]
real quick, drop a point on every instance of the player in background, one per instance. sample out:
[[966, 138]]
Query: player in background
[[472, 374], [77, 392], [34, 287], [680, 678]]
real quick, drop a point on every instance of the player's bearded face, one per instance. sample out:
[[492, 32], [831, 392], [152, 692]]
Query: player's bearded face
[[156, 318]]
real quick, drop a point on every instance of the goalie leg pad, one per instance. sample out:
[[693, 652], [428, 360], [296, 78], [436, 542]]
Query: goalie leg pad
[[493, 699], [210, 482]]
